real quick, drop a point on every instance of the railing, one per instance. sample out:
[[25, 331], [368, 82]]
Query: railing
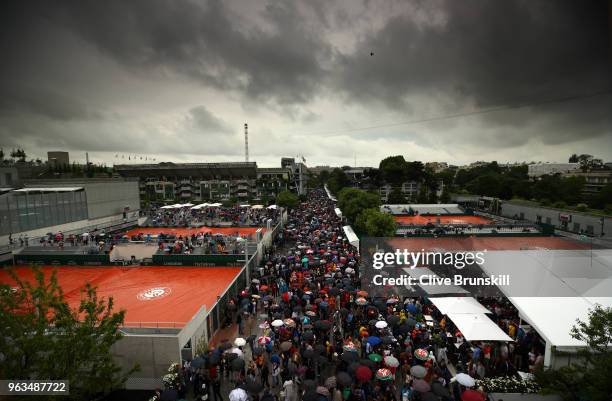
[[218, 311], [110, 226], [155, 325]]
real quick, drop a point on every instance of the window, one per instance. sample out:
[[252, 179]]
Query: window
[[8, 178], [589, 230], [576, 227], [548, 220]]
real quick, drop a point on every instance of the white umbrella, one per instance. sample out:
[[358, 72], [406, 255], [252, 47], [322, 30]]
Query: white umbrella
[[239, 342], [255, 281], [465, 380], [391, 361], [277, 323], [238, 394], [236, 351], [381, 324], [349, 270]]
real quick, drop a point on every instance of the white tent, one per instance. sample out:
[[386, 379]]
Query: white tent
[[167, 207], [338, 212], [187, 205], [257, 207], [478, 327], [447, 305], [351, 236], [245, 205], [272, 207], [217, 204]]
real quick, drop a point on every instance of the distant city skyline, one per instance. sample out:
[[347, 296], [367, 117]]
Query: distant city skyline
[[330, 81]]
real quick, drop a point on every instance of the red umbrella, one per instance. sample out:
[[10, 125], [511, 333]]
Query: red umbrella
[[264, 288], [363, 373]]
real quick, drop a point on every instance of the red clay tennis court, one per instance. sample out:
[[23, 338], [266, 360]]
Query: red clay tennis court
[[152, 296], [183, 231], [420, 220], [488, 243]]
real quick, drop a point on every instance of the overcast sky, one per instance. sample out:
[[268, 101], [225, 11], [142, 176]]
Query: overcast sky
[[177, 80]]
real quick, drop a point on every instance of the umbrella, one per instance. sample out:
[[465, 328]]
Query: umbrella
[[349, 356], [311, 313], [253, 386], [384, 374], [238, 394], [361, 301], [393, 319], [237, 364], [362, 293], [363, 373], [388, 340], [285, 346], [323, 325], [420, 385], [239, 342], [255, 281], [258, 351], [275, 358], [391, 361], [255, 296], [197, 362], [392, 301], [236, 351], [374, 341], [352, 367], [349, 346], [439, 390], [263, 340], [289, 322], [214, 359], [322, 391], [368, 363], [381, 324], [169, 394], [308, 335], [330, 382], [465, 380], [309, 354], [418, 371], [343, 379], [375, 357], [421, 354], [277, 323], [264, 288]]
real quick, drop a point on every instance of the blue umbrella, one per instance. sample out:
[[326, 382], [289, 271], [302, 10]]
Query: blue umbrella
[[373, 340], [323, 304], [411, 308], [275, 358]]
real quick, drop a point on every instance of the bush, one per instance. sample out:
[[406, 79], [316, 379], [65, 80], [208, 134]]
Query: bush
[[560, 205], [582, 207]]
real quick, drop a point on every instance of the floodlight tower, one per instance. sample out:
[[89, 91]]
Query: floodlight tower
[[246, 142]]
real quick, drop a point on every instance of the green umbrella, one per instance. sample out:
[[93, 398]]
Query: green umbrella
[[375, 357]]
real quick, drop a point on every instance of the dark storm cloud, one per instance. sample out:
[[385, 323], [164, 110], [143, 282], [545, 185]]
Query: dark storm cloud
[[494, 52], [203, 41], [61, 59]]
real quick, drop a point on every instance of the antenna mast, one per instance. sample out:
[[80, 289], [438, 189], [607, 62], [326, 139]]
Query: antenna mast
[[246, 142]]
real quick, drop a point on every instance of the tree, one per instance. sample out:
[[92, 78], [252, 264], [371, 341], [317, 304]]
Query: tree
[[422, 196], [589, 377], [287, 199], [573, 158], [353, 201], [42, 337], [396, 197], [375, 223], [337, 181], [445, 196], [393, 169], [1, 154]]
